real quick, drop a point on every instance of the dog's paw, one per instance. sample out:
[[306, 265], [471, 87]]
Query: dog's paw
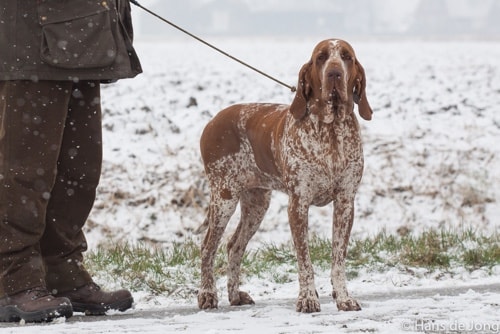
[[207, 300], [308, 303], [348, 304], [242, 298]]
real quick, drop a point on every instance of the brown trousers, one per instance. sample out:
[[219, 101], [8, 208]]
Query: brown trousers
[[50, 164]]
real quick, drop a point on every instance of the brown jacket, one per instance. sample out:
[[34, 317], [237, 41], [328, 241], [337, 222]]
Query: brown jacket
[[66, 40]]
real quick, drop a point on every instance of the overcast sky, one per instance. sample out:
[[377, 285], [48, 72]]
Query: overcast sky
[[359, 17]]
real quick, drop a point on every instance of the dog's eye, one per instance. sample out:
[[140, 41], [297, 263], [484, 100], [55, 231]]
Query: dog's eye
[[346, 56], [321, 57]]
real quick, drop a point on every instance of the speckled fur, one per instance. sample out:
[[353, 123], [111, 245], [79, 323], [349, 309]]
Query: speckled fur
[[310, 150]]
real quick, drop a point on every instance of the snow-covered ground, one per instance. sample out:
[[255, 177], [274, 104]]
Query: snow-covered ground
[[432, 158], [432, 161]]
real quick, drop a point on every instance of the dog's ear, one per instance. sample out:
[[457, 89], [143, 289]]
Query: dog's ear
[[359, 94], [298, 108]]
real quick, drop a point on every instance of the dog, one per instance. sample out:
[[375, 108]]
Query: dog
[[310, 150]]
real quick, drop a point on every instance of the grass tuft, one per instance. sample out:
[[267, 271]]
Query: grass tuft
[[175, 270]]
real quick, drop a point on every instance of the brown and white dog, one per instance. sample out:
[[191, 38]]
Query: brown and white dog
[[310, 150]]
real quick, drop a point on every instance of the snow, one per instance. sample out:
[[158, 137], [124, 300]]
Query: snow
[[431, 161], [431, 158]]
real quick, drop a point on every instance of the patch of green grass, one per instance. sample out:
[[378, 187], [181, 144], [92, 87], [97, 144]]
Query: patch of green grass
[[176, 269], [427, 250], [143, 267]]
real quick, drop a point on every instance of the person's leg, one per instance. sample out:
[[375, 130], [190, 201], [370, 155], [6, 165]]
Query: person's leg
[[73, 194], [71, 200], [31, 126], [30, 136]]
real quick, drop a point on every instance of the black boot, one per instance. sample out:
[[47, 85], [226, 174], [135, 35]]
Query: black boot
[[91, 300], [34, 305]]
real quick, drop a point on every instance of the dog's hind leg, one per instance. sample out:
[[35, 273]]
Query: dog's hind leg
[[219, 212], [254, 204]]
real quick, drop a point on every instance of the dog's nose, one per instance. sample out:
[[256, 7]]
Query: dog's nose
[[334, 74]]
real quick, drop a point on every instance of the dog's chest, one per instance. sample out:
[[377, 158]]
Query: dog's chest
[[320, 160]]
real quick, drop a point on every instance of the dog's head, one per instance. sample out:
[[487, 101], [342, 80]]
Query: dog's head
[[330, 81]]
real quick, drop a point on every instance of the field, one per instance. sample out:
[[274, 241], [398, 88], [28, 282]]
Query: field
[[432, 165], [432, 159]]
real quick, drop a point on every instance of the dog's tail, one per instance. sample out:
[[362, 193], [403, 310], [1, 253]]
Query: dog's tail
[[202, 228]]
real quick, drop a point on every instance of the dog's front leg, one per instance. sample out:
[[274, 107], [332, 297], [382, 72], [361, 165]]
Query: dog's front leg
[[342, 224], [308, 300]]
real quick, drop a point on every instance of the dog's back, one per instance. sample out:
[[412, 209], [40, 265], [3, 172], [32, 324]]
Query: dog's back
[[240, 142]]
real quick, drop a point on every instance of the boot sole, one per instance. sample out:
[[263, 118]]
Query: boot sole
[[100, 309], [13, 314]]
